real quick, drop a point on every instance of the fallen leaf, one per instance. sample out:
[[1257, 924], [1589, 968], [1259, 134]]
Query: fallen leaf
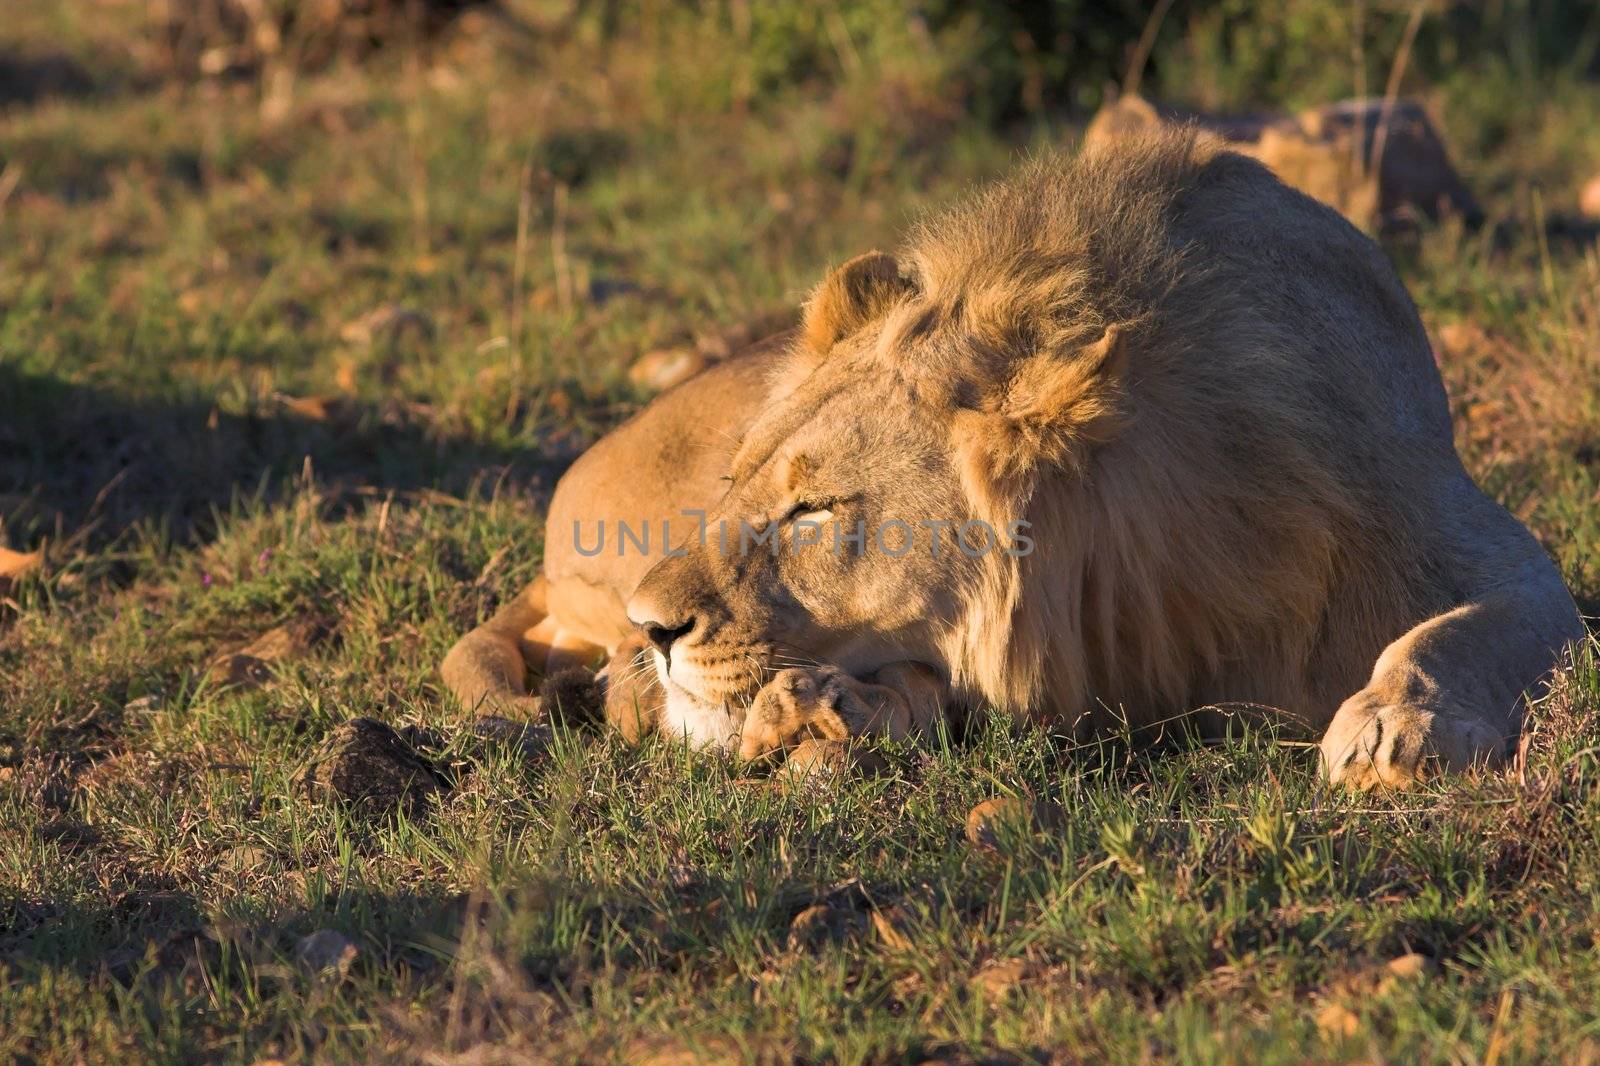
[[890, 927], [1410, 967], [326, 408], [993, 822], [346, 378]]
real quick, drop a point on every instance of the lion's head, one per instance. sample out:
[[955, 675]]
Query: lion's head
[[975, 459]]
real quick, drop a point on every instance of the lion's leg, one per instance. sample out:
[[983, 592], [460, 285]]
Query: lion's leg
[[901, 700], [1450, 693], [487, 669]]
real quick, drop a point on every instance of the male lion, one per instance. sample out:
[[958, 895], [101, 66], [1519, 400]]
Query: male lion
[[1203, 399]]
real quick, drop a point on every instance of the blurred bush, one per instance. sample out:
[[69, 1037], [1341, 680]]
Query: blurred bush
[[1032, 54], [996, 60]]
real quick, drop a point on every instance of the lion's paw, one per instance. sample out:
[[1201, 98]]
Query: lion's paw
[[798, 704], [1395, 745]]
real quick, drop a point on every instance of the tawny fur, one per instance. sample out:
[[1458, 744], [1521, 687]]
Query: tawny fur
[[1213, 403]]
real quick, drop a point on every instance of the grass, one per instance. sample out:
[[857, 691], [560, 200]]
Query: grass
[[181, 271]]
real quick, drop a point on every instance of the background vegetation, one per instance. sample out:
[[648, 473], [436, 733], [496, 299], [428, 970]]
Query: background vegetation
[[304, 306]]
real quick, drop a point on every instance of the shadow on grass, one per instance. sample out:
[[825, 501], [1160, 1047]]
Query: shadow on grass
[[143, 935], [84, 464], [33, 78]]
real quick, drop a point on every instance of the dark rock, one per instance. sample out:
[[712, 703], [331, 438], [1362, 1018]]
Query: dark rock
[[366, 764]]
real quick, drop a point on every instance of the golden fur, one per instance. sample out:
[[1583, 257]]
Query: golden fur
[[1214, 406]]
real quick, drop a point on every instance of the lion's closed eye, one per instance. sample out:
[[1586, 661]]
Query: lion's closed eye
[[805, 511]]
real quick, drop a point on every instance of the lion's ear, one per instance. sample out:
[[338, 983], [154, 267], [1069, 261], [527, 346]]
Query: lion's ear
[[850, 297], [1051, 410]]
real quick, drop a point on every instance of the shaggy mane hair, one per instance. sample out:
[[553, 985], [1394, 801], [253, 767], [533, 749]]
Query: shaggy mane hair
[[1137, 348]]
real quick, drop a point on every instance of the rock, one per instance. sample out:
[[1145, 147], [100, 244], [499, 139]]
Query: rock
[[1378, 165], [994, 822], [325, 954], [825, 923], [255, 663], [663, 368], [527, 739], [366, 764], [999, 978], [244, 858], [1409, 967]]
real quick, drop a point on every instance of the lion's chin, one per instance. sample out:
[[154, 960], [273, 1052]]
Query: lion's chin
[[698, 722], [695, 719]]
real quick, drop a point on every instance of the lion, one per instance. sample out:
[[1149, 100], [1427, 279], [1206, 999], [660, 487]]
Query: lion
[[1197, 421]]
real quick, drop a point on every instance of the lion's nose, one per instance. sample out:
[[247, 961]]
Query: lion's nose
[[663, 636], [661, 625]]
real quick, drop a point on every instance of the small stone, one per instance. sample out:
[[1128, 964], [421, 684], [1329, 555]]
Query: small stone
[[1404, 969], [527, 739], [244, 858], [255, 663], [325, 954], [825, 923], [999, 978], [366, 764], [144, 704]]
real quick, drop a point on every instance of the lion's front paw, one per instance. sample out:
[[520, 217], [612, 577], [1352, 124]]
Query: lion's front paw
[[817, 702], [1395, 745]]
